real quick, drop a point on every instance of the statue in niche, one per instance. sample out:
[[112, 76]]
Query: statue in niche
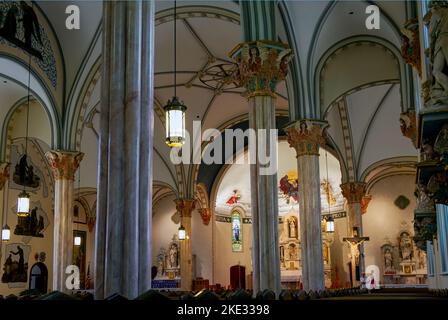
[[292, 252], [292, 228], [406, 247], [441, 143], [173, 256], [437, 22], [31, 225], [427, 151], [424, 202], [161, 262], [388, 260], [421, 259], [24, 174]]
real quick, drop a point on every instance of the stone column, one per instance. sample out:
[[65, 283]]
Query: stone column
[[185, 207], [354, 193], [306, 137], [261, 64], [64, 165], [123, 226]]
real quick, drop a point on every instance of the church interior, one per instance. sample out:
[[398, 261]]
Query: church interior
[[186, 149]]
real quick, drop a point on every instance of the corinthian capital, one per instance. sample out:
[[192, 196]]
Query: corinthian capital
[[354, 192], [306, 136], [261, 65], [64, 163], [185, 207]]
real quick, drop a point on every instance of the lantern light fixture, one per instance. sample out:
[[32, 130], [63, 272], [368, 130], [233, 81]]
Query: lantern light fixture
[[6, 233], [23, 200], [182, 233], [23, 204], [329, 224], [175, 109]]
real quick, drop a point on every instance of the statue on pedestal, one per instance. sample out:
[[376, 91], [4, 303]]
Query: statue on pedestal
[[437, 22]]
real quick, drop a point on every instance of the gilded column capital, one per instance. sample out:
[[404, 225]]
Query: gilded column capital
[[206, 214], [306, 136], [260, 66], [4, 173], [64, 163], [185, 207], [354, 192]]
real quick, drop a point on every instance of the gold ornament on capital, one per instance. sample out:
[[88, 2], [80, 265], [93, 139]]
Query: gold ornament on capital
[[306, 137], [206, 214], [354, 192], [64, 163], [185, 207], [260, 66]]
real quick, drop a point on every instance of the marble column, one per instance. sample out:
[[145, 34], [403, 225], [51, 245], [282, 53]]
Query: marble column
[[354, 193], [306, 137], [124, 204], [185, 208], [261, 64], [64, 165]]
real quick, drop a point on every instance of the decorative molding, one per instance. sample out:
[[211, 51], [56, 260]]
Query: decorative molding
[[261, 65], [64, 163], [354, 192], [185, 207], [306, 136], [206, 214], [410, 44], [408, 125]]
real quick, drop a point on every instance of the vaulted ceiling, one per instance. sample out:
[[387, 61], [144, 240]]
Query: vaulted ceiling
[[207, 31]]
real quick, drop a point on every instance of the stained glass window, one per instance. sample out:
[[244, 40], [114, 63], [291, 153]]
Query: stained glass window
[[237, 235]]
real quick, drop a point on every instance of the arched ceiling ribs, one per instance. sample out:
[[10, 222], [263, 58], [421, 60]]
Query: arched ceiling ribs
[[370, 123], [388, 167], [393, 69], [161, 190], [165, 162], [347, 138]]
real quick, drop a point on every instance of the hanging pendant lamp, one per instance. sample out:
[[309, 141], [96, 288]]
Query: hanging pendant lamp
[[23, 200], [175, 109]]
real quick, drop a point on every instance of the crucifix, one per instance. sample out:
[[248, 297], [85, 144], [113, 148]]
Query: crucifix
[[355, 242]]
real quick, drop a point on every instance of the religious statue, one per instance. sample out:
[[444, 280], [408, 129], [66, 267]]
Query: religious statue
[[406, 247], [424, 202], [292, 228], [441, 143], [161, 262], [173, 256], [292, 252], [437, 22], [388, 261]]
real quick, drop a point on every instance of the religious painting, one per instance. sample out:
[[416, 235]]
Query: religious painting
[[32, 225], [15, 268], [237, 241], [20, 26], [289, 187], [24, 174], [27, 173], [234, 198], [79, 255]]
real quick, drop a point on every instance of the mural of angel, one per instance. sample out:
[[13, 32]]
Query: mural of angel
[[289, 188], [234, 198]]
